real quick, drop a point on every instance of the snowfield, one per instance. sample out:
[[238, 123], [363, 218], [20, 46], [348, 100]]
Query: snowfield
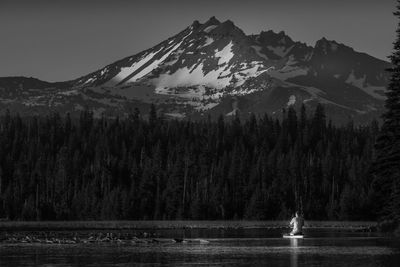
[[208, 41], [191, 77], [126, 71], [225, 55], [156, 63]]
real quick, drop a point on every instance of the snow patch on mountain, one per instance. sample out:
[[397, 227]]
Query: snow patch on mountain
[[281, 51], [69, 93], [258, 51], [156, 63], [291, 61], [149, 59], [254, 70], [210, 28], [89, 81], [375, 91], [126, 71], [225, 55], [288, 72], [191, 77], [316, 94], [171, 62], [104, 71], [208, 41]]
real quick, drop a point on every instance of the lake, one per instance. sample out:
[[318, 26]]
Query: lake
[[226, 247]]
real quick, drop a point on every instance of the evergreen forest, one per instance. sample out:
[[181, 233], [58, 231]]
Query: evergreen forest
[[61, 168]]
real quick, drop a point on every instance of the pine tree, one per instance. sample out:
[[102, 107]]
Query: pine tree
[[318, 123], [387, 164], [292, 124], [152, 115]]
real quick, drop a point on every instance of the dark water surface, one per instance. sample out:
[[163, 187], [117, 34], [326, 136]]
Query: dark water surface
[[243, 247]]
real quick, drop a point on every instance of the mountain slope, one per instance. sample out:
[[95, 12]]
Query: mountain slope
[[215, 67]]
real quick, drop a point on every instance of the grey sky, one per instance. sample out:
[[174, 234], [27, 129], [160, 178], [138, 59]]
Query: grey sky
[[59, 40]]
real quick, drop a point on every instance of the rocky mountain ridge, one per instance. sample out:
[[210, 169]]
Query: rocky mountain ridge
[[215, 68]]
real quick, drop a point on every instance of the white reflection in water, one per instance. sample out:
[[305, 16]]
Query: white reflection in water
[[294, 252]]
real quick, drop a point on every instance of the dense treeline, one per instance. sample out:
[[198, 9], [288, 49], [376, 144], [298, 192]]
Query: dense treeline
[[58, 168]]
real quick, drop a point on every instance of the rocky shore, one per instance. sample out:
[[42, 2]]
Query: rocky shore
[[79, 238], [152, 232]]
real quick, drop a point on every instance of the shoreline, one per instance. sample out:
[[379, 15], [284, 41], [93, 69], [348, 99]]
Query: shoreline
[[149, 232], [159, 225]]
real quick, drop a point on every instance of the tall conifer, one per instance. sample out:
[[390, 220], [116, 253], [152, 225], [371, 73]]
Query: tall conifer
[[387, 164]]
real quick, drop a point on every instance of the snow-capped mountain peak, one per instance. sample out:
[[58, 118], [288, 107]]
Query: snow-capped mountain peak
[[206, 54], [199, 69]]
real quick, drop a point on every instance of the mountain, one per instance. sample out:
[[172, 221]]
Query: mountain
[[215, 68]]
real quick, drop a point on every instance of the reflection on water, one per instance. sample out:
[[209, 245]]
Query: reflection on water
[[313, 251], [293, 253]]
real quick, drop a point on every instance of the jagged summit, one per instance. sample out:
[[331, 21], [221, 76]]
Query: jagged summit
[[228, 28], [215, 27], [331, 46], [272, 37], [328, 45], [212, 21]]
